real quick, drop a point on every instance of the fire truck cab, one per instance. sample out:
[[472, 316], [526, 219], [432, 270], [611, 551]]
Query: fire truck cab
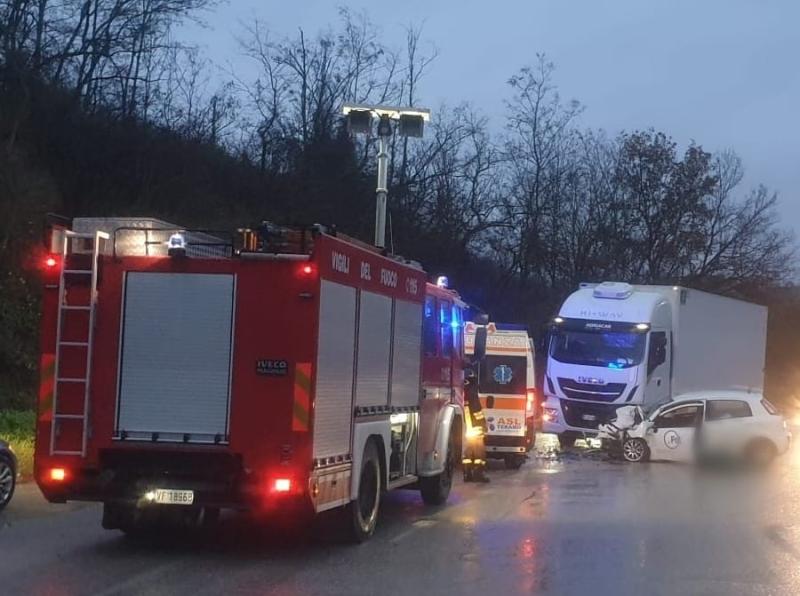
[[286, 370]]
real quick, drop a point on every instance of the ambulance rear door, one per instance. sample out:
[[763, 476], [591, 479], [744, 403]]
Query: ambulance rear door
[[503, 385]]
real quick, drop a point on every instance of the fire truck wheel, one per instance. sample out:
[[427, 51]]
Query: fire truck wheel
[[514, 462], [362, 513], [124, 517], [210, 517], [436, 489]]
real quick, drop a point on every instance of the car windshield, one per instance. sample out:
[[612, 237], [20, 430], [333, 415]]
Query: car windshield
[[609, 349]]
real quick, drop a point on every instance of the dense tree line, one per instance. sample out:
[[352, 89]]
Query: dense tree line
[[103, 111]]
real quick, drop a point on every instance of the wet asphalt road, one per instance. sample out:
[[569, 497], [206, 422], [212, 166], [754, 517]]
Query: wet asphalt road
[[563, 524]]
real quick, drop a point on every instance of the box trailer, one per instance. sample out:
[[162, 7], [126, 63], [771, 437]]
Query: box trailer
[[616, 344], [299, 370]]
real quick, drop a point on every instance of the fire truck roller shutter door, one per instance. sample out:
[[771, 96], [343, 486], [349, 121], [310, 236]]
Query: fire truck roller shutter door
[[176, 355], [406, 354], [374, 344], [333, 400]]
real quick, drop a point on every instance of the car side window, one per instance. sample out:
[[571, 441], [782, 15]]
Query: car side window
[[725, 409], [683, 417]]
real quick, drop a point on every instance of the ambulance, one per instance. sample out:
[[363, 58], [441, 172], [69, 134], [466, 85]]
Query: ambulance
[[507, 391]]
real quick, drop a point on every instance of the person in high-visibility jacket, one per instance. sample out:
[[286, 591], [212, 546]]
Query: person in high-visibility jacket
[[474, 461]]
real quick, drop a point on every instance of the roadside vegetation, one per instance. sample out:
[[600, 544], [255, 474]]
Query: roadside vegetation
[[17, 427], [104, 112]]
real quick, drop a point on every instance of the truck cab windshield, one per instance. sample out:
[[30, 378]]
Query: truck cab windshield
[[609, 349]]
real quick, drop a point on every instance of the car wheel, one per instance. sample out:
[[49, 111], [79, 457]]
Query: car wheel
[[760, 453], [8, 481], [635, 450]]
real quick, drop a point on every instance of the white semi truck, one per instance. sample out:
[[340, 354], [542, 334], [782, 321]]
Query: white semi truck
[[615, 344]]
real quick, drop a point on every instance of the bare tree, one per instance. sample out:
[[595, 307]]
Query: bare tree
[[743, 243], [540, 138], [415, 68], [453, 176], [296, 99]]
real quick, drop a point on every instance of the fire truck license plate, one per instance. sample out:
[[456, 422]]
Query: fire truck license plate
[[167, 496]]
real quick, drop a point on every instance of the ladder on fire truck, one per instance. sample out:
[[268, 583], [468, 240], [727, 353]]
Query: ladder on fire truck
[[77, 249]]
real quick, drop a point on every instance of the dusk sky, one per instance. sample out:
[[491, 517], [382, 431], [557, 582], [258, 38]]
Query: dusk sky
[[722, 72]]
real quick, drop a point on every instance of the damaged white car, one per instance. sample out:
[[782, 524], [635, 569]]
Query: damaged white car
[[698, 425]]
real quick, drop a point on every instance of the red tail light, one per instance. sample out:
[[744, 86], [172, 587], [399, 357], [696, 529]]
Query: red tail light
[[530, 404], [307, 269], [50, 262], [58, 474], [282, 485]]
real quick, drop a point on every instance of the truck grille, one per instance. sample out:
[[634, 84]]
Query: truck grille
[[604, 393], [589, 416]]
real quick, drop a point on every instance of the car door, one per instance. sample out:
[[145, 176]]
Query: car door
[[672, 434], [728, 426]]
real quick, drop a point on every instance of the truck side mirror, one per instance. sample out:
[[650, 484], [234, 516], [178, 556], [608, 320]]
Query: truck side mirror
[[471, 394], [480, 343], [481, 319], [658, 351]]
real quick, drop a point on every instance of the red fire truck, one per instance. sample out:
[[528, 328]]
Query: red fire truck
[[297, 370]]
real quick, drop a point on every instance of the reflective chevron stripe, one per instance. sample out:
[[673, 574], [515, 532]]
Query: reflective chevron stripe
[[302, 397], [47, 369]]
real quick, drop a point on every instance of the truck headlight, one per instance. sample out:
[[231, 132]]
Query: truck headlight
[[550, 415]]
